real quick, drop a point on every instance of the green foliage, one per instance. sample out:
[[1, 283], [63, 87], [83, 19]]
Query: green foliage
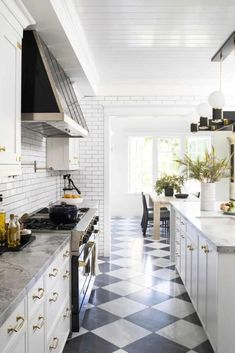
[[209, 169], [173, 181]]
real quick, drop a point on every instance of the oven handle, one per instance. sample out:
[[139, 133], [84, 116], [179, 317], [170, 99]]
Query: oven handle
[[91, 245]]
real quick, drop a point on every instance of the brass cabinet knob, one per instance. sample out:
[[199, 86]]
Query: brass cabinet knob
[[19, 324], [66, 254], [39, 295], [54, 298], [203, 247], [2, 149], [206, 251], [54, 272], [66, 275], [54, 344], [190, 247], [67, 313], [40, 323]]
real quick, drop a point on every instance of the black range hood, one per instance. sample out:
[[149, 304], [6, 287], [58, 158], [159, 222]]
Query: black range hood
[[49, 103]]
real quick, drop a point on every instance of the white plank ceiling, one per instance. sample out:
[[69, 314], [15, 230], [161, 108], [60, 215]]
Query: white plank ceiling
[[147, 47]]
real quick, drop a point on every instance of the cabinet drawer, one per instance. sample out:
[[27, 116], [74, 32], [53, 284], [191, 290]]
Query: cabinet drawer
[[54, 270], [36, 331], [36, 296], [14, 326], [60, 333], [56, 296]]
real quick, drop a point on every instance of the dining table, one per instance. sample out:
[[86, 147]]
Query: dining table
[[158, 201]]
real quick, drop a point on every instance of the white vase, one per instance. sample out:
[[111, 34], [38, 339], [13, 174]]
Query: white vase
[[207, 196]]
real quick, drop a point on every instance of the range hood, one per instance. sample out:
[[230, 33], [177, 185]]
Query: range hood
[[49, 103]]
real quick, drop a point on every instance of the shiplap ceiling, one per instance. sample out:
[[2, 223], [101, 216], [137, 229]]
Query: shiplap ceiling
[[147, 47]]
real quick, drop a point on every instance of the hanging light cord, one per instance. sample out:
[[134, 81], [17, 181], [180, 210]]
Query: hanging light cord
[[220, 69]]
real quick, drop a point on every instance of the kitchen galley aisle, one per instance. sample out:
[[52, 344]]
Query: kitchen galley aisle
[[138, 303]]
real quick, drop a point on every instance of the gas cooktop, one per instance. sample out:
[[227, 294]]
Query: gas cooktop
[[40, 221]]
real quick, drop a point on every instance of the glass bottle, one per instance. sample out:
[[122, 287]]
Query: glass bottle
[[18, 235], [12, 230], [2, 222]]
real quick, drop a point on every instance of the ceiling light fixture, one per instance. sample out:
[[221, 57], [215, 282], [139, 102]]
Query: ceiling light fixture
[[220, 120]]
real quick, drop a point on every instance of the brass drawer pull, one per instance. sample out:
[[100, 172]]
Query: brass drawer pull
[[67, 314], [203, 247], [66, 275], [2, 149], [206, 251], [66, 254], [54, 298], [190, 247], [54, 272], [39, 295], [55, 343], [18, 326], [40, 323]]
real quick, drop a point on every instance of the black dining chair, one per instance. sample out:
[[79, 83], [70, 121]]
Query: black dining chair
[[147, 218]]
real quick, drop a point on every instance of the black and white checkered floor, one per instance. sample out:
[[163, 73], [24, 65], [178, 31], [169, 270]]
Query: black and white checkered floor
[[138, 304]]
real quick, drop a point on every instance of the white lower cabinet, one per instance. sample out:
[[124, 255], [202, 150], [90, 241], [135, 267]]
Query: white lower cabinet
[[36, 332], [41, 322], [199, 270]]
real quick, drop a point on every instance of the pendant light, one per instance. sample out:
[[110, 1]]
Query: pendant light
[[217, 100]]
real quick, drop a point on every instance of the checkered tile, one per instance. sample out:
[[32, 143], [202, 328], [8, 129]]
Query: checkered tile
[[138, 303]]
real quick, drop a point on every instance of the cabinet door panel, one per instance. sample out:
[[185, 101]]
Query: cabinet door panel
[[19, 346], [183, 257], [202, 279], [212, 295], [194, 278], [10, 73]]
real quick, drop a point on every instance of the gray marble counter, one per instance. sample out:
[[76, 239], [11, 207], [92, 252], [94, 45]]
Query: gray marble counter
[[20, 270], [217, 228]]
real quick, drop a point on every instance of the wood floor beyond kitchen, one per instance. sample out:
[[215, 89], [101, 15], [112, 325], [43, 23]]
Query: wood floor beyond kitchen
[[138, 303]]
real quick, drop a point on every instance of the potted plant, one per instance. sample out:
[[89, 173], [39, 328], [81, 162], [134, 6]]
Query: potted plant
[[208, 171], [169, 183]]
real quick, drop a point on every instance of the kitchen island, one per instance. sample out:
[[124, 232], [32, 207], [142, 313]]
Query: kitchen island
[[34, 291], [203, 248]]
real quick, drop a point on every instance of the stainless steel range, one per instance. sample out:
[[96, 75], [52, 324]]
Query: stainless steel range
[[84, 235]]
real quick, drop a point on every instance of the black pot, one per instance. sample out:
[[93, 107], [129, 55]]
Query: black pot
[[63, 214], [169, 191]]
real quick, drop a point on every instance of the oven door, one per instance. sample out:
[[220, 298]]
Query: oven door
[[85, 270], [83, 267]]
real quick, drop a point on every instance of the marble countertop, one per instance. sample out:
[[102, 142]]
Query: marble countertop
[[219, 229], [20, 270]]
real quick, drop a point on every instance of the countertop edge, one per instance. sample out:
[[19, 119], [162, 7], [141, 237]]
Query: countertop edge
[[4, 315]]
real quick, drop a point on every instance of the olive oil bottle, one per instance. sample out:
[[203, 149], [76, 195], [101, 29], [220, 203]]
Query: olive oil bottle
[[2, 223], [12, 232]]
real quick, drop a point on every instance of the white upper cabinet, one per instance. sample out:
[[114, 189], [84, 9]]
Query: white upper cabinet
[[10, 96], [11, 32], [63, 153]]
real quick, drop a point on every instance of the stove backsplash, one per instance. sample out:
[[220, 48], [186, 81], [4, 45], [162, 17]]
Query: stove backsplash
[[30, 191]]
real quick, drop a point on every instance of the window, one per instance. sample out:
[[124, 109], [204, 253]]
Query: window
[[140, 164], [168, 151], [196, 146]]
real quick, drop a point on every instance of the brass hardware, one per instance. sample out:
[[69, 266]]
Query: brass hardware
[[18, 326], [91, 245], [2, 149], [55, 272], [190, 247], [55, 343], [54, 298], [66, 254], [203, 247], [67, 315], [206, 251], [19, 46], [66, 275], [40, 323], [39, 295]]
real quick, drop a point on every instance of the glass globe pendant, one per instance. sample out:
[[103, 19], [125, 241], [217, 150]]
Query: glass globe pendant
[[217, 101]]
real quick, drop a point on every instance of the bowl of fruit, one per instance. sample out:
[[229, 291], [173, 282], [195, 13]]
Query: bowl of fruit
[[228, 207], [71, 199]]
